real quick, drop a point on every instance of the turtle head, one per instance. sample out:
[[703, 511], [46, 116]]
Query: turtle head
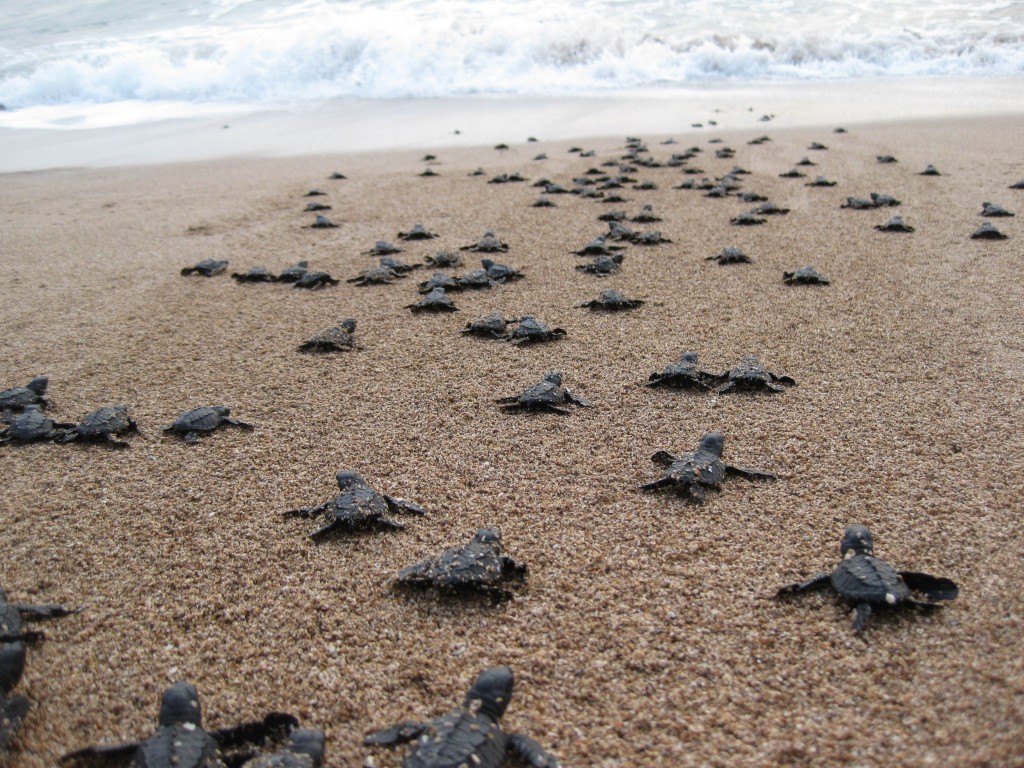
[[553, 377], [488, 535], [491, 692], [487, 263], [308, 741], [39, 385], [713, 442], [857, 538], [349, 325], [221, 410], [180, 704], [347, 479], [689, 357]]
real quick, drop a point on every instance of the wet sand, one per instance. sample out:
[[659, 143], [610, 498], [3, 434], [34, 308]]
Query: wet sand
[[645, 635]]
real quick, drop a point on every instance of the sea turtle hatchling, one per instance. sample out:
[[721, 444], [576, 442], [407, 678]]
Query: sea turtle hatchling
[[489, 243], [805, 276], [206, 267], [930, 170], [379, 275], [820, 181], [599, 247], [770, 209], [895, 224], [418, 232], [293, 273], [322, 222], [730, 255], [500, 273], [382, 248], [102, 426], [340, 338], [651, 237], [16, 399], [548, 395], [530, 330], [314, 280], [492, 326], [746, 219], [439, 280], [32, 426], [181, 741], [469, 735], [255, 275], [684, 374], [444, 259], [612, 301], [602, 266], [886, 159], [988, 232], [437, 300], [751, 376], [646, 216], [991, 209], [478, 566], [191, 424], [357, 507], [867, 582], [692, 474], [792, 173]]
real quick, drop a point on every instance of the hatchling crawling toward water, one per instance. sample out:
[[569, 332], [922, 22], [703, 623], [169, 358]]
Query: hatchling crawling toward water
[[548, 395], [293, 273], [180, 741], [418, 232], [340, 338], [445, 259], [530, 330], [987, 232], [379, 275], [102, 426], [322, 222], [599, 247], [602, 266], [500, 273], [730, 255], [255, 275], [207, 267], [612, 301], [747, 219], [437, 300], [490, 326], [684, 374], [868, 582], [805, 276], [469, 735], [313, 280], [33, 426], [191, 424], [382, 248], [991, 209], [16, 399], [489, 243], [769, 209], [476, 567], [750, 376], [820, 181], [357, 507], [439, 280], [692, 474], [895, 224], [652, 237]]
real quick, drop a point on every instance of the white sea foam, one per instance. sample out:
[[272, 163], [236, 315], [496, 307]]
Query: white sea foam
[[274, 52]]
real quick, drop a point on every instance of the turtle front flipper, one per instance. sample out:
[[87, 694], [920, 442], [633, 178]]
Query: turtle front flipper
[[12, 712], [932, 587], [862, 617], [654, 485], [510, 569], [580, 401], [308, 511], [43, 611], [245, 741], [395, 735], [403, 505], [531, 752], [112, 756], [818, 582], [750, 474], [239, 424]]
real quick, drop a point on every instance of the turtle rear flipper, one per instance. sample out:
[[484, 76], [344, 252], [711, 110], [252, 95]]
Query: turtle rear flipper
[[818, 582], [395, 735], [511, 569], [531, 752], [932, 587], [403, 505], [12, 712], [862, 616], [112, 756]]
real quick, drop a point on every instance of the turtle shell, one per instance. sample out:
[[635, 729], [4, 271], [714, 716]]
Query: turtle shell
[[12, 665], [461, 737], [178, 746], [701, 467], [201, 419], [31, 424], [108, 420], [478, 563], [30, 394], [547, 392], [864, 578], [356, 505]]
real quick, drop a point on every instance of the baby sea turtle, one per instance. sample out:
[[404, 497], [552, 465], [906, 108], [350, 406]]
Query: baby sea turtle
[[181, 741], [858, 204], [616, 215], [730, 255], [493, 325], [313, 280], [469, 735], [746, 219], [543, 202], [382, 248], [439, 280], [804, 276], [435, 301], [885, 159], [1017, 185], [692, 474], [530, 330], [102, 425], [599, 247], [931, 170], [754, 197], [429, 172], [32, 426], [507, 178], [868, 582], [16, 399], [340, 338], [616, 231], [314, 207], [322, 222], [602, 266], [612, 301], [500, 273], [548, 395], [684, 374], [315, 193], [651, 237], [207, 267], [255, 275], [820, 181], [987, 232], [991, 209], [792, 173], [305, 748], [884, 201], [751, 376], [293, 273], [379, 275], [489, 243], [357, 507], [895, 224], [191, 424], [418, 232], [818, 146], [478, 566], [770, 209], [806, 161], [337, 175], [445, 259]]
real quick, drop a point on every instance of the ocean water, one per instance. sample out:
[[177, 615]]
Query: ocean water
[[88, 63]]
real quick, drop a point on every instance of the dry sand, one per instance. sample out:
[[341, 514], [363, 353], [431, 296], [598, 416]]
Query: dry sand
[[645, 635]]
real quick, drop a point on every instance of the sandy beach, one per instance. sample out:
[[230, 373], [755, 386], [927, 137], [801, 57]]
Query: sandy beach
[[645, 634]]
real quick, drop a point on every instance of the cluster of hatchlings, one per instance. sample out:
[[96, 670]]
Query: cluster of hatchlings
[[471, 733]]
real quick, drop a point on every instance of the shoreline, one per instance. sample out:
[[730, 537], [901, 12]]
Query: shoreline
[[347, 126]]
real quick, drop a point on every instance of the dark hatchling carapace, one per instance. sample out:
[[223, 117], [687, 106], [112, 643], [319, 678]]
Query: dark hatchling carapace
[[548, 395], [469, 735], [685, 374], [751, 376], [602, 266], [33, 426], [895, 224], [599, 247], [437, 300], [805, 276], [357, 507], [418, 232], [692, 474], [180, 741], [293, 273], [530, 330], [206, 268], [305, 748], [16, 399], [491, 326], [867, 582], [382, 248], [987, 232], [340, 338], [191, 424], [612, 301], [489, 243], [103, 426], [379, 275], [322, 222], [478, 567], [313, 280], [991, 209], [730, 255], [255, 275]]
